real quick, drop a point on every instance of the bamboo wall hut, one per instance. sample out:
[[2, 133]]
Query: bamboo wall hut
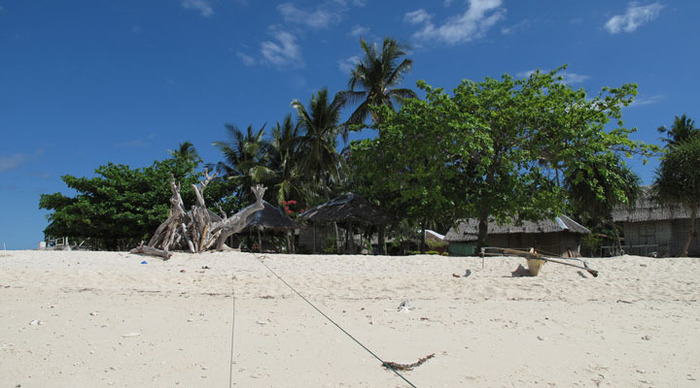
[[347, 211], [652, 229], [561, 236]]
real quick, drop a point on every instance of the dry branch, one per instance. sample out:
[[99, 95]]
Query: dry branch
[[146, 250], [196, 231]]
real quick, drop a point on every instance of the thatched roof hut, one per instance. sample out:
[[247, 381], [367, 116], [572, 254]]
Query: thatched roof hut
[[560, 235], [347, 210], [646, 210], [656, 230], [269, 218], [348, 207]]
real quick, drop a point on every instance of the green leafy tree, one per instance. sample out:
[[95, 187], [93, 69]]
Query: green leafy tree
[[512, 138], [413, 169], [616, 186], [536, 127], [678, 181], [374, 80], [120, 206]]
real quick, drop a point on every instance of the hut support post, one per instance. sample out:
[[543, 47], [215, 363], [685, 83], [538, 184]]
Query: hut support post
[[349, 237], [382, 247], [259, 240]]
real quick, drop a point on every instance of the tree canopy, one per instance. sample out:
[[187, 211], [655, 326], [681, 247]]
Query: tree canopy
[[374, 80], [678, 177], [120, 206], [503, 143]]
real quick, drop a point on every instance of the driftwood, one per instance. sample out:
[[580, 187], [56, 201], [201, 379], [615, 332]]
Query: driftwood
[[198, 230], [146, 250], [234, 224]]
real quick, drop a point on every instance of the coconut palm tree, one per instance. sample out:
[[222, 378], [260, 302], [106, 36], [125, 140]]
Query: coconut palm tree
[[682, 129], [374, 79], [320, 125], [283, 158], [186, 152], [186, 158], [678, 181], [243, 160]]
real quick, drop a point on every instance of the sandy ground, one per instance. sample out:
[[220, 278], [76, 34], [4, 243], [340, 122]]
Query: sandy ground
[[95, 319]]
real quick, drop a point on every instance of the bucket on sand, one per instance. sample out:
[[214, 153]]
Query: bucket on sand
[[534, 266]]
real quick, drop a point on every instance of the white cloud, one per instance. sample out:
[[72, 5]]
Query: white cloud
[[474, 23], [203, 6], [573, 78], [346, 65], [346, 3], [320, 18], [359, 30], [633, 18], [644, 100], [418, 16], [283, 51], [246, 59], [568, 78], [12, 162], [138, 143], [512, 29]]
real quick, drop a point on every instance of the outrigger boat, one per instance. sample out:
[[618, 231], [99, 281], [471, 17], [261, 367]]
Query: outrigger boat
[[536, 260]]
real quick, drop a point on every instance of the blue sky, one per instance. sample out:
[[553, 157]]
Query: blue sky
[[84, 82]]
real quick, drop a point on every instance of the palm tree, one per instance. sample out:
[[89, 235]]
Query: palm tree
[[320, 124], [377, 76], [283, 158], [186, 152], [682, 129], [678, 181], [243, 160], [186, 159]]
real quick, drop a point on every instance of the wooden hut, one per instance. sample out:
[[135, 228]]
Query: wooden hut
[[561, 236], [654, 230], [346, 211]]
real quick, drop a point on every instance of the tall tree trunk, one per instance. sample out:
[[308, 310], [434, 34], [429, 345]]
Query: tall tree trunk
[[691, 234], [382, 247]]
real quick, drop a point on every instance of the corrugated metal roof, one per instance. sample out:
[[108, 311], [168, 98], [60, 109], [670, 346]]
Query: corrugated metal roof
[[468, 230]]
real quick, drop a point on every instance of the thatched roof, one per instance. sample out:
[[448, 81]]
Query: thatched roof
[[346, 207], [646, 209], [469, 230], [270, 217]]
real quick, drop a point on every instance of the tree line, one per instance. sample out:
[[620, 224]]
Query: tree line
[[505, 148]]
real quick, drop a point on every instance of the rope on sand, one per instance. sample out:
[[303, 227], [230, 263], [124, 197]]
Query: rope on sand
[[388, 365], [233, 325]]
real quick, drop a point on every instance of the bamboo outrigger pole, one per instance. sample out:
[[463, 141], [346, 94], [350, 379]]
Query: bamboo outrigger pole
[[532, 256]]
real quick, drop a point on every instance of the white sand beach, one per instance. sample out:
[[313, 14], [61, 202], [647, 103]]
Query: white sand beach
[[87, 319]]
